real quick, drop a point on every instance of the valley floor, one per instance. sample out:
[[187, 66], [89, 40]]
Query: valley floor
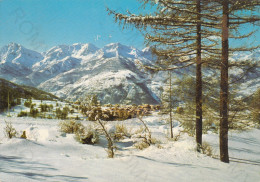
[[49, 155]]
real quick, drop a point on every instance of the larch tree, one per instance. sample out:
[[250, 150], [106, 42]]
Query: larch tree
[[168, 101], [234, 14], [180, 31], [176, 30]]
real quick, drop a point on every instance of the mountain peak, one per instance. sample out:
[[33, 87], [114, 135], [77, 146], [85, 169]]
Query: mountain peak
[[76, 50], [13, 44], [15, 54], [87, 49], [120, 50], [116, 45], [11, 47]]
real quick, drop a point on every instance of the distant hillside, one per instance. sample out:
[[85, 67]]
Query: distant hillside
[[16, 91]]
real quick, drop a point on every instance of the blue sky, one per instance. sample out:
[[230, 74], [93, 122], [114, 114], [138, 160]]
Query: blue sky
[[42, 24]]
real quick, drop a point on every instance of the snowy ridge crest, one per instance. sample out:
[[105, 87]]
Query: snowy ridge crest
[[112, 73], [72, 71]]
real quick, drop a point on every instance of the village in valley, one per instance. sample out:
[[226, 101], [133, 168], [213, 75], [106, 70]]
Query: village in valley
[[169, 91]]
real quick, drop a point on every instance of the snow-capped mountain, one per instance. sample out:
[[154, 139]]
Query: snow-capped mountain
[[112, 73], [16, 62], [119, 50], [112, 79], [61, 52], [72, 71], [17, 55]]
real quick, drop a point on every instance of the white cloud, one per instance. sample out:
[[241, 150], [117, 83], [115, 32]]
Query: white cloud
[[97, 37]]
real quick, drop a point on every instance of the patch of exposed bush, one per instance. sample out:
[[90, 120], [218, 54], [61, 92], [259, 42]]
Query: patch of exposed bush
[[207, 149], [34, 112], [9, 130], [84, 135], [62, 114], [28, 103], [120, 132], [24, 135], [146, 138], [22, 114], [145, 142], [87, 135], [71, 126]]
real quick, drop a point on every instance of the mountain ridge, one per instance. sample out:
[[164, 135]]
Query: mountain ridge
[[112, 73], [67, 70]]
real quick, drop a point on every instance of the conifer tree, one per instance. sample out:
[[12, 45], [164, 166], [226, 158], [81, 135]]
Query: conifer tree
[[175, 31], [168, 101], [234, 14], [180, 32]]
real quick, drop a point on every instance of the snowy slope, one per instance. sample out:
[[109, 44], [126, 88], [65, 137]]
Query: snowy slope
[[62, 52], [16, 62], [114, 80], [45, 71], [49, 155], [119, 50]]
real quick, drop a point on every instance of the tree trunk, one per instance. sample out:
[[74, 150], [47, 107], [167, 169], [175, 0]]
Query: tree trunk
[[8, 108], [223, 135], [198, 81], [170, 106]]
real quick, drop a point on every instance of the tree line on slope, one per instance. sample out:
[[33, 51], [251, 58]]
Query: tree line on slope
[[11, 93]]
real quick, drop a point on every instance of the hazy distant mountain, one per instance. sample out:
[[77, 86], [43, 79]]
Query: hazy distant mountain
[[111, 72]]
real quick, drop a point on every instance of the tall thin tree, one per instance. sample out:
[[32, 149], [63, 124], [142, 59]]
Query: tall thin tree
[[223, 136], [234, 13], [176, 30], [198, 78]]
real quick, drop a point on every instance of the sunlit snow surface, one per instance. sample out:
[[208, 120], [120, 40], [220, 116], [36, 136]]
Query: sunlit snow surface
[[49, 155]]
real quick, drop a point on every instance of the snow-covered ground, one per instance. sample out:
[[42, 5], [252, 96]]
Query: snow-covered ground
[[49, 155]]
